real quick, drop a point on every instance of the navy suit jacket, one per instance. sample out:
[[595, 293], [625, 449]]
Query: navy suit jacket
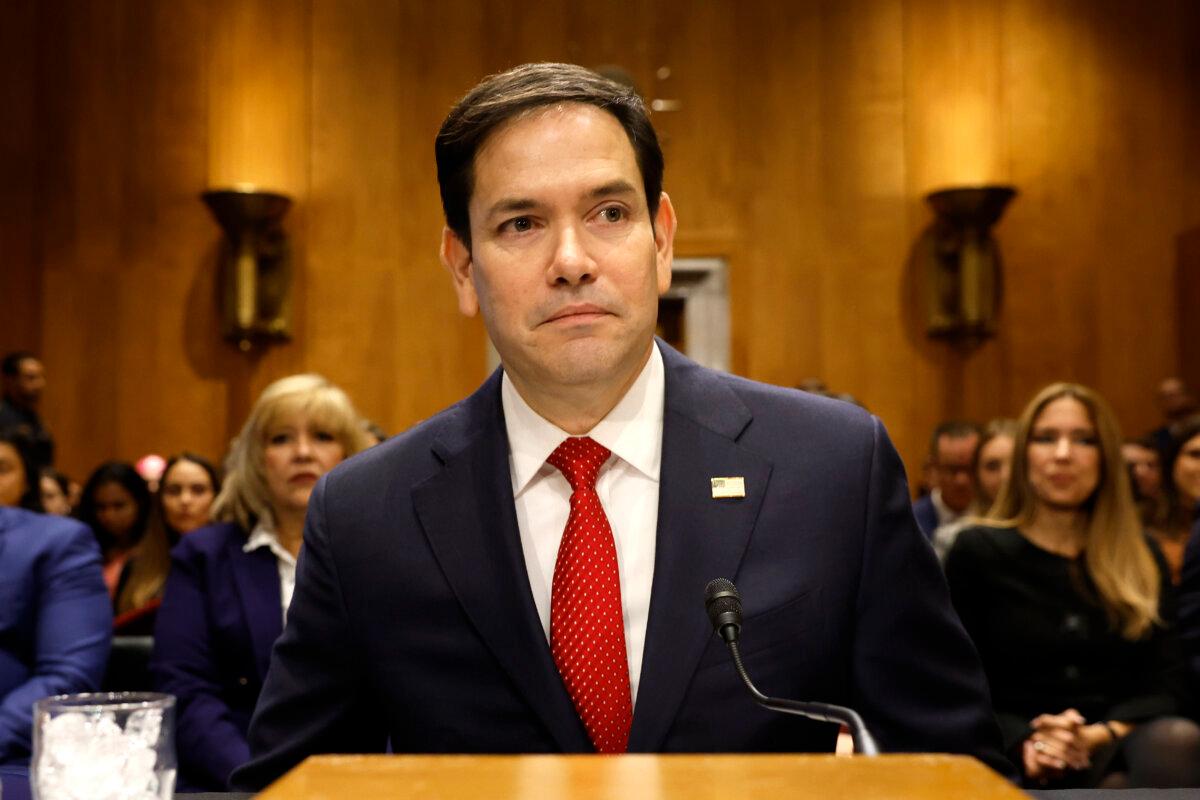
[[220, 614], [926, 515], [55, 618], [413, 621]]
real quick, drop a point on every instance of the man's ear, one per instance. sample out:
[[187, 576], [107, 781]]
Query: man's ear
[[456, 258], [664, 241]]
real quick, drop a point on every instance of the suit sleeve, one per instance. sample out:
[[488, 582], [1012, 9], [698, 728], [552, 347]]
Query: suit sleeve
[[918, 681], [315, 699], [210, 741], [72, 637]]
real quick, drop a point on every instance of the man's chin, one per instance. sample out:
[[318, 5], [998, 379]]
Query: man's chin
[[580, 362]]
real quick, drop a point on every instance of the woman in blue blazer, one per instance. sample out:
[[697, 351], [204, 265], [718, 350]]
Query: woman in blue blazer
[[230, 583]]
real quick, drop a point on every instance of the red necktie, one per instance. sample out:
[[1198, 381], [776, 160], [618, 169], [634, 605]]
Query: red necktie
[[587, 632]]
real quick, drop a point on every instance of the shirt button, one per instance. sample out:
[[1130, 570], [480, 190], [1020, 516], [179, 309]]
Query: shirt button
[[243, 681], [1072, 672]]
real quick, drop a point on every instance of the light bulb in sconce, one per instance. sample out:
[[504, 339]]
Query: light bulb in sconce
[[255, 264]]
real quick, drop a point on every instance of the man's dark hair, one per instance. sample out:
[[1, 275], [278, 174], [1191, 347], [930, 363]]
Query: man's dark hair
[[502, 97], [11, 365], [951, 429]]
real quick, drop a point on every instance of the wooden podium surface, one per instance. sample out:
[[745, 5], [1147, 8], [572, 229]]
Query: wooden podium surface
[[640, 777]]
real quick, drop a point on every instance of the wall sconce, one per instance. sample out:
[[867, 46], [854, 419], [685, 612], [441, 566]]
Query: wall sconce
[[256, 276], [962, 264]]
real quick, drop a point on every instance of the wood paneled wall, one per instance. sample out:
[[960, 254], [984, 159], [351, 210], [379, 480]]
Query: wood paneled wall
[[805, 136]]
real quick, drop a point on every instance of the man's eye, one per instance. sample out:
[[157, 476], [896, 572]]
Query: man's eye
[[612, 214], [518, 225]]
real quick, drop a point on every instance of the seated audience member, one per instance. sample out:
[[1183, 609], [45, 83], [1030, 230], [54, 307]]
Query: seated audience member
[[1069, 605], [951, 454], [22, 381], [1177, 404], [231, 583], [989, 471], [188, 487], [116, 505], [55, 488], [190, 483], [18, 471], [1181, 486], [1144, 462], [54, 619]]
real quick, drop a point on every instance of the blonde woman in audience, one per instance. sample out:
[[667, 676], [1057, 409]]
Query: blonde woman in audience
[[230, 583], [1069, 605], [989, 470]]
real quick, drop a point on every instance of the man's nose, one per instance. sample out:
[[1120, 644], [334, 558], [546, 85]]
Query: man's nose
[[571, 262]]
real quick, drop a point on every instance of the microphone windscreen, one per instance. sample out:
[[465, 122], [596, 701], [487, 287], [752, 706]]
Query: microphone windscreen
[[722, 602]]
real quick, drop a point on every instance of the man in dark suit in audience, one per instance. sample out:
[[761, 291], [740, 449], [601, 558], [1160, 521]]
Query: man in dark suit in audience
[[24, 379], [525, 571], [951, 454]]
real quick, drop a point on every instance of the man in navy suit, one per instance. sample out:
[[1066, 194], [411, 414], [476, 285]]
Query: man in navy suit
[[428, 614], [951, 456]]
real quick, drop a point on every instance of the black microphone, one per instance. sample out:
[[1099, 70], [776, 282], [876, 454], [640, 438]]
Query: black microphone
[[724, 606]]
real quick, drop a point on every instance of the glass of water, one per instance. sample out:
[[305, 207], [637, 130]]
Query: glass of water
[[107, 746]]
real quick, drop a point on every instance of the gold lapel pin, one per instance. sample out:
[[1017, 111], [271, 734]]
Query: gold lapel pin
[[728, 487]]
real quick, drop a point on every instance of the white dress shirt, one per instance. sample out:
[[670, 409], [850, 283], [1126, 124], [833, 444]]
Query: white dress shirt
[[627, 486], [264, 535]]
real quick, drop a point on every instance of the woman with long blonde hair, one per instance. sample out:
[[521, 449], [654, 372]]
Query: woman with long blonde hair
[[1068, 602], [231, 583]]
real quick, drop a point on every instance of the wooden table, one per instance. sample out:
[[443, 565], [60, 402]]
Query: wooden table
[[641, 777]]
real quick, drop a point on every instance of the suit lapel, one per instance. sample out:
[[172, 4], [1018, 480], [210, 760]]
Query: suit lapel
[[468, 515], [256, 576], [698, 538]]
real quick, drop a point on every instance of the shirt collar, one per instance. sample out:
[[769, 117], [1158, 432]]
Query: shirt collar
[[632, 430], [264, 535], [945, 513]]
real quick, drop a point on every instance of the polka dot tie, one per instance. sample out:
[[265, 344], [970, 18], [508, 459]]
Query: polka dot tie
[[587, 632]]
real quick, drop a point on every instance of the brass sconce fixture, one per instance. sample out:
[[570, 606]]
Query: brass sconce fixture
[[255, 274], [962, 262]]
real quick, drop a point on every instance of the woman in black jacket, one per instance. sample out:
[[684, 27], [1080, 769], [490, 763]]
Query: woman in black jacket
[[1069, 604]]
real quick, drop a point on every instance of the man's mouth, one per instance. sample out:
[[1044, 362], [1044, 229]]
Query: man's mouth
[[577, 312]]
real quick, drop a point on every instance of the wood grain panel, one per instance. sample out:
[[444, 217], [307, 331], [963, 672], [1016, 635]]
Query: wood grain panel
[[805, 137], [120, 255], [20, 278], [864, 208], [775, 291]]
